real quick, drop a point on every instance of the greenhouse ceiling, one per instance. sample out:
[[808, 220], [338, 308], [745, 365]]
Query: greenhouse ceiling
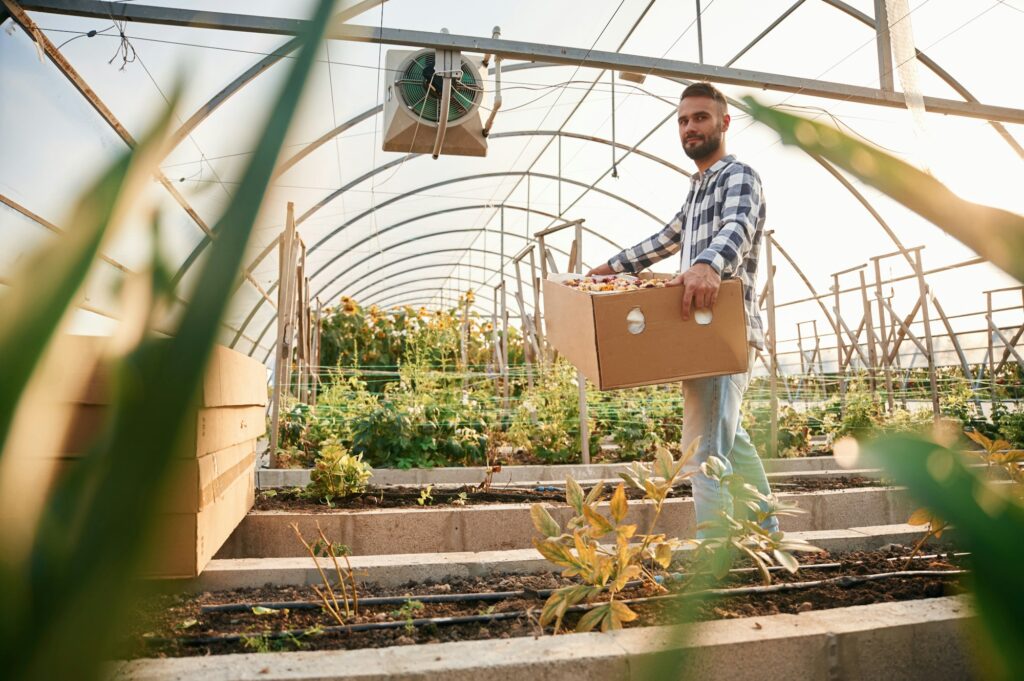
[[572, 139]]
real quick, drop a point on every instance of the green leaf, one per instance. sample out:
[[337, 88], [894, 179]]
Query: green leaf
[[260, 610], [593, 618], [988, 525], [155, 387], [46, 283]]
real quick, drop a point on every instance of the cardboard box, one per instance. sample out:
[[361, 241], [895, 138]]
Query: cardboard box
[[592, 332], [185, 542], [213, 429], [231, 378], [211, 484]]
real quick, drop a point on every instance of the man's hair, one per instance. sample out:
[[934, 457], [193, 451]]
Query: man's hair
[[705, 89]]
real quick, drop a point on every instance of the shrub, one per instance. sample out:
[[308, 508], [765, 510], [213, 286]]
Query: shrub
[[337, 473]]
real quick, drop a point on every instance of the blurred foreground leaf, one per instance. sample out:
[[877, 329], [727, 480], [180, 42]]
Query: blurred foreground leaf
[[988, 520], [992, 233], [64, 605]]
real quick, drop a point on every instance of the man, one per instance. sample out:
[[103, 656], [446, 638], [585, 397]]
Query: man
[[719, 233]]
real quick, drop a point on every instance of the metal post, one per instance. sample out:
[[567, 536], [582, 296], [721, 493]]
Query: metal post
[[700, 36], [870, 327], [991, 349], [576, 265], [282, 362], [840, 346], [884, 44], [773, 370], [886, 366], [923, 287]]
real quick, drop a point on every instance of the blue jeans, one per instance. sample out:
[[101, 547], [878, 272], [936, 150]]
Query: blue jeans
[[711, 411]]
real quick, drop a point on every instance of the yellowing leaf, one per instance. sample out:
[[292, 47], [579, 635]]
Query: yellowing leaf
[[631, 481], [595, 494], [921, 516], [555, 552], [543, 521], [663, 555], [663, 463], [690, 451], [619, 505], [598, 523], [786, 560], [978, 438], [622, 612], [574, 494]]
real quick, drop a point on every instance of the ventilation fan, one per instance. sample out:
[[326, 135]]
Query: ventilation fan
[[432, 104]]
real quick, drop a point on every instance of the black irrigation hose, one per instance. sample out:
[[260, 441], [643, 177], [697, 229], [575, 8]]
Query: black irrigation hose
[[491, 596], [844, 581], [383, 600]]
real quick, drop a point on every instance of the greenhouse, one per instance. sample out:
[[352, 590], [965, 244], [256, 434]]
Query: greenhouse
[[366, 339]]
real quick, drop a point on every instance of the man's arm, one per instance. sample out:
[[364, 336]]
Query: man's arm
[[740, 210], [649, 251]]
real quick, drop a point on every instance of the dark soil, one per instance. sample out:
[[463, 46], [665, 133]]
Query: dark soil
[[171, 624], [470, 495]]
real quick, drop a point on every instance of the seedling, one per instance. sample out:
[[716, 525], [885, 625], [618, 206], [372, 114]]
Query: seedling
[[936, 526], [407, 612], [461, 499], [426, 498], [324, 547]]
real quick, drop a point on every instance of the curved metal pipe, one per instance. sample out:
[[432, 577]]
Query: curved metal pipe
[[257, 306], [382, 280]]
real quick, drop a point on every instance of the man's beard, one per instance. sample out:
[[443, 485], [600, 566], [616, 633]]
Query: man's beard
[[709, 146]]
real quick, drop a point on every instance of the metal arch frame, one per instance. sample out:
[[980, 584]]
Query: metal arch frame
[[392, 264], [266, 250], [443, 212], [467, 230], [851, 11], [364, 294], [528, 51], [373, 298], [254, 71], [445, 183], [358, 297], [410, 298], [362, 178]]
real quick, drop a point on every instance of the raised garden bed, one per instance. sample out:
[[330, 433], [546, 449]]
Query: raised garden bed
[[289, 618], [297, 477], [471, 495], [497, 527]]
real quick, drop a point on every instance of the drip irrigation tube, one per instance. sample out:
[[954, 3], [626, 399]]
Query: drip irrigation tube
[[844, 581], [492, 596]]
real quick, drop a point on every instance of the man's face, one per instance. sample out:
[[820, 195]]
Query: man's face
[[701, 124]]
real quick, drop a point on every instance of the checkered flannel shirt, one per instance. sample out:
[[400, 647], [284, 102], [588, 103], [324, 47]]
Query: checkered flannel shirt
[[725, 210]]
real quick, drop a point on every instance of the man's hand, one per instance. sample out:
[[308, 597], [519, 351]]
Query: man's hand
[[601, 270], [700, 287]]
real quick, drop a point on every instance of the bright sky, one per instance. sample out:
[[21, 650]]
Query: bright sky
[[54, 144]]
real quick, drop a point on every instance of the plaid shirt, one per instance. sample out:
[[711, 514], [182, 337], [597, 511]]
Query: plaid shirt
[[725, 212]]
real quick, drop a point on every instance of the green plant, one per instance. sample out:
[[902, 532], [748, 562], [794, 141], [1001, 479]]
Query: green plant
[[794, 433], [408, 613], [742, 533], [426, 498], [336, 473], [602, 568], [999, 454], [59, 623]]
